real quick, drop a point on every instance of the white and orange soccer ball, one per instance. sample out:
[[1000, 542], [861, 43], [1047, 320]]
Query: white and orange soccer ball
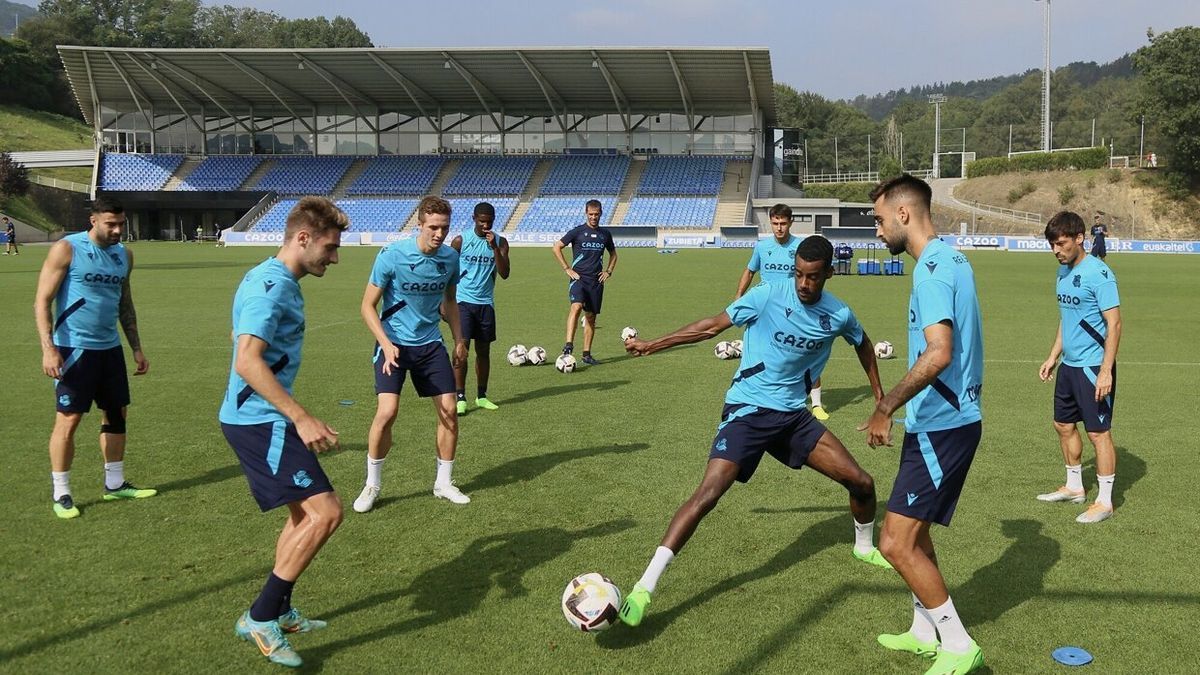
[[591, 602]]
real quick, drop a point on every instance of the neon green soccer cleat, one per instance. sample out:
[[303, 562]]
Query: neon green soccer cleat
[[950, 663], [819, 413], [485, 404], [269, 639], [64, 507], [462, 407], [295, 622], [634, 607], [873, 557], [907, 642], [128, 491]]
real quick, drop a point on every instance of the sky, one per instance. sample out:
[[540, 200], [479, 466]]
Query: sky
[[837, 48]]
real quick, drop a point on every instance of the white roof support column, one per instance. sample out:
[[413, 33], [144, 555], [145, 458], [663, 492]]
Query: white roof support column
[[271, 86], [134, 91], [548, 91], [750, 84], [410, 88], [203, 87], [342, 90], [150, 73], [619, 99], [96, 122], [684, 94], [477, 87]]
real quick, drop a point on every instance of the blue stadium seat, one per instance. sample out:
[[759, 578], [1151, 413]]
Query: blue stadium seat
[[305, 175], [673, 175], [400, 175], [584, 175], [491, 176], [559, 214], [672, 212], [221, 172], [136, 172], [366, 215]]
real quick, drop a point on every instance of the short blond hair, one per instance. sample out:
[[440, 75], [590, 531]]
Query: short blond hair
[[318, 215]]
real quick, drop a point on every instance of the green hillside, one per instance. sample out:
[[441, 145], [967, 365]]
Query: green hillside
[[23, 130]]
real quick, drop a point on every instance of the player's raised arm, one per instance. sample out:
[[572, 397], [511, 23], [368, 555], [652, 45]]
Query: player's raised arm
[[54, 270], [697, 331]]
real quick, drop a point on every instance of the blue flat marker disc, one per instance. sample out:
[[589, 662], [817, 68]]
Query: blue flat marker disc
[[345, 402], [1072, 656]]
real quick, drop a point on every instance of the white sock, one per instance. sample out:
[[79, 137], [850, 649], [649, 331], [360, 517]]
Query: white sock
[[1075, 477], [62, 483], [922, 625], [658, 564], [864, 536], [815, 395], [1105, 496], [444, 467], [114, 474], [950, 628], [375, 471]]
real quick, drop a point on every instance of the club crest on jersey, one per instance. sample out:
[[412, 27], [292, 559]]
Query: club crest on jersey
[[115, 258], [441, 268], [825, 323], [1075, 281], [91, 256]]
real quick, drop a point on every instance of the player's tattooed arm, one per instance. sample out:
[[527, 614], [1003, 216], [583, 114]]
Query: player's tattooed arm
[[128, 317], [939, 340]]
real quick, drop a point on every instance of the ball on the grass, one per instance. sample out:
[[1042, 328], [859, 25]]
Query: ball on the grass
[[591, 602], [535, 356], [565, 363], [724, 350], [516, 355], [628, 333], [884, 350], [737, 347]]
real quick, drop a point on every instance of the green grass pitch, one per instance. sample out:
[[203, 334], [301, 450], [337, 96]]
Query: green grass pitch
[[581, 472]]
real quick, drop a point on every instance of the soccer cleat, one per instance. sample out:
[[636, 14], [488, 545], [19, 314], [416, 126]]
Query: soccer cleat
[[1063, 494], [633, 609], [951, 663], [568, 348], [907, 642], [1095, 513], [269, 638], [482, 402], [873, 557], [366, 498], [819, 413], [128, 491], [462, 407], [64, 507], [295, 622], [451, 492], [590, 360]]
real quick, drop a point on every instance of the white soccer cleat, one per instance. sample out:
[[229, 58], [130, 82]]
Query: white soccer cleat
[[451, 492], [366, 499], [1063, 494], [1095, 513]]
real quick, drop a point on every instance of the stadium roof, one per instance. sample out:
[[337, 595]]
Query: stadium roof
[[421, 82]]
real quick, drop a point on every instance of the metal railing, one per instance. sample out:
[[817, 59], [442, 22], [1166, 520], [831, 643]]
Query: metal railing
[[1010, 214], [60, 184], [842, 177]]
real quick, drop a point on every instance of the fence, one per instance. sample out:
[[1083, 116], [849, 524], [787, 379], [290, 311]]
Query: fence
[[70, 185]]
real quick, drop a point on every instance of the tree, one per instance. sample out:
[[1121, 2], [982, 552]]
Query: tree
[[1170, 69], [25, 79], [14, 178]]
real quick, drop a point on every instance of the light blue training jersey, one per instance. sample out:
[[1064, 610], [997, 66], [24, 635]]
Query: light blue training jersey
[[774, 261], [413, 285], [786, 344], [269, 306], [1085, 292], [944, 290], [477, 262], [88, 299]]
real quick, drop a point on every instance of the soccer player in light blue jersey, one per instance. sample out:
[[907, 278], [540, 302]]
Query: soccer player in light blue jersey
[[273, 436], [790, 331], [1089, 335], [483, 255], [415, 280], [943, 424], [82, 293], [774, 260]]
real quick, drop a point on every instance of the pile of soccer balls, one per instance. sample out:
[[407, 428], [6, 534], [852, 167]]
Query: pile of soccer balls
[[726, 350], [518, 355]]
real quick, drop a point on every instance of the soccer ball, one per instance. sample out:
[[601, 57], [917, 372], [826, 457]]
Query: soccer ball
[[628, 333], [516, 355], [591, 602], [725, 351], [536, 356], [565, 363], [883, 350], [737, 347]]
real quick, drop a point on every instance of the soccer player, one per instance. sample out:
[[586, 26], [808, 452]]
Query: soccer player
[[82, 293], [1089, 335], [10, 238], [482, 255], [774, 259], [415, 279], [1099, 232], [273, 436], [943, 423], [790, 330], [588, 275]]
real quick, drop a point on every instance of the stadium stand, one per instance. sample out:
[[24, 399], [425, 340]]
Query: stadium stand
[[491, 176], [672, 212], [673, 175], [366, 215], [583, 175], [559, 214], [136, 172], [462, 209], [305, 175], [221, 172], [399, 175]]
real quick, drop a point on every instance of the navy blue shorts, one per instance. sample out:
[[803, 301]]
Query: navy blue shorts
[[746, 432], [91, 375], [1075, 398], [588, 292], [478, 322], [1098, 249], [279, 467], [933, 468], [429, 366]]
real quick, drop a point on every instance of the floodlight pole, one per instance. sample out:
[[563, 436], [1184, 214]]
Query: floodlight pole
[[937, 100], [1046, 140]]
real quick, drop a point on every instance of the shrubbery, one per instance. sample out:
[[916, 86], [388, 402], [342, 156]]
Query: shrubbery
[[1076, 160]]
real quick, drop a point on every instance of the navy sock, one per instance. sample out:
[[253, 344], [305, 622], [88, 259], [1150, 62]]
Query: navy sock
[[266, 607], [482, 393]]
